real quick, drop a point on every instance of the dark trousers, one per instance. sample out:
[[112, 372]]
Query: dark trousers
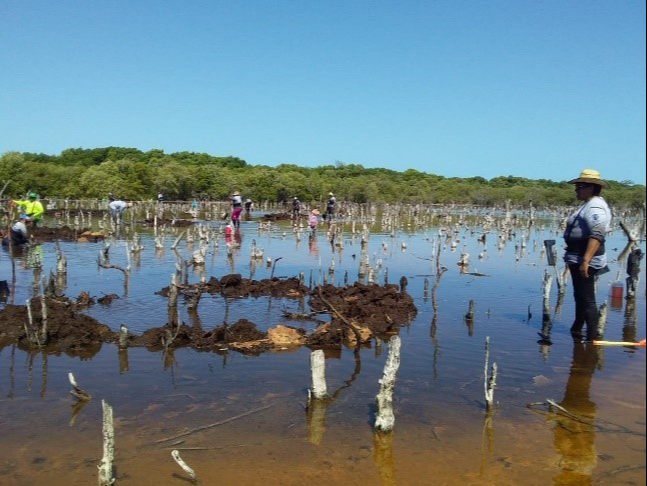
[[586, 308]]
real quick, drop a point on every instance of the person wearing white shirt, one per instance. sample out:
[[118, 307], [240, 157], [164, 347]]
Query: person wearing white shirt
[[117, 207]]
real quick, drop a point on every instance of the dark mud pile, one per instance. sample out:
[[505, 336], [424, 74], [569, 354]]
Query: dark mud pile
[[64, 233], [181, 223], [351, 316]]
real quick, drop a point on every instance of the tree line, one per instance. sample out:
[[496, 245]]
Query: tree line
[[136, 175]]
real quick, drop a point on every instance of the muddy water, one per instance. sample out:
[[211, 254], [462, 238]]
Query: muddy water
[[239, 419]]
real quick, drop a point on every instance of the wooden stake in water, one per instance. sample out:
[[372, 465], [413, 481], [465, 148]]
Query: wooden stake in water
[[123, 336], [602, 319], [43, 329], [385, 419], [489, 382], [318, 372], [106, 472], [547, 283]]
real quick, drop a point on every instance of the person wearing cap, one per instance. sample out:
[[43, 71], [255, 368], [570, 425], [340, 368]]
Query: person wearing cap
[[117, 207], [585, 233], [32, 207], [236, 208], [19, 233], [330, 206]]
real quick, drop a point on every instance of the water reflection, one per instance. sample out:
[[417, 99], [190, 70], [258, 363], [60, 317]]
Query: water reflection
[[318, 405], [443, 360], [574, 431]]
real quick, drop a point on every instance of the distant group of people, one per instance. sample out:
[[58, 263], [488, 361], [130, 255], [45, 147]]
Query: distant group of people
[[330, 210]]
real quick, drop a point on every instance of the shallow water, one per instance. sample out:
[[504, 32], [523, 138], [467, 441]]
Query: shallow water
[[251, 413]]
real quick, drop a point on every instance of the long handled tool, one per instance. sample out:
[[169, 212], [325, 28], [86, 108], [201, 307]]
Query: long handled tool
[[619, 343]]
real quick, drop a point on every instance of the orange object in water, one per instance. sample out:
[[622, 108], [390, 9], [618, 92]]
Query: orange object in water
[[616, 290]]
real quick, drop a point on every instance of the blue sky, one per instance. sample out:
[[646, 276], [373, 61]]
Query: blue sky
[[536, 89]]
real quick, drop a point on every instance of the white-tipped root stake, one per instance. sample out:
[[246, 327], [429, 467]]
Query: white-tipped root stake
[[385, 419], [176, 456], [318, 371], [547, 283], [77, 392], [123, 336], [106, 472], [489, 381]]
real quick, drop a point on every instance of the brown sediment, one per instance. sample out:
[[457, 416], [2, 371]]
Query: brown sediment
[[373, 311]]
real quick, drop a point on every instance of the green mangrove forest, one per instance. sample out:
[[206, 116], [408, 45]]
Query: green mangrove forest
[[133, 174]]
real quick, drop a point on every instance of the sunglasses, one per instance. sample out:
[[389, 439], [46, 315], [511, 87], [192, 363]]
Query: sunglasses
[[581, 186]]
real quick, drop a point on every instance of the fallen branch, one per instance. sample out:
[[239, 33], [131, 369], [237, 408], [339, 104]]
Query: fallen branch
[[111, 265], [598, 424], [358, 336], [215, 424]]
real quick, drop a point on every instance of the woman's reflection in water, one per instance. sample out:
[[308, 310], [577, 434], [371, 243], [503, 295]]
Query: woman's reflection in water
[[575, 435]]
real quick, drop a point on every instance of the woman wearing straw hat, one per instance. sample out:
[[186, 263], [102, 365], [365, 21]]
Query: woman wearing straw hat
[[585, 255]]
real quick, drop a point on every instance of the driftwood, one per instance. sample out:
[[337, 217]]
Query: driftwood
[[176, 457], [77, 391]]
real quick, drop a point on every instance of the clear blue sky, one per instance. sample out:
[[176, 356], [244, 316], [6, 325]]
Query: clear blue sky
[[458, 88]]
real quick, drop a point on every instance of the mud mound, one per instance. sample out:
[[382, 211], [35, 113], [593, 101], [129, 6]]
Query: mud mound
[[235, 286], [358, 314], [67, 330]]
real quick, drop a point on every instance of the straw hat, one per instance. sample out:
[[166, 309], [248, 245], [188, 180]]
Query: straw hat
[[590, 176], [236, 193], [330, 194], [315, 212]]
